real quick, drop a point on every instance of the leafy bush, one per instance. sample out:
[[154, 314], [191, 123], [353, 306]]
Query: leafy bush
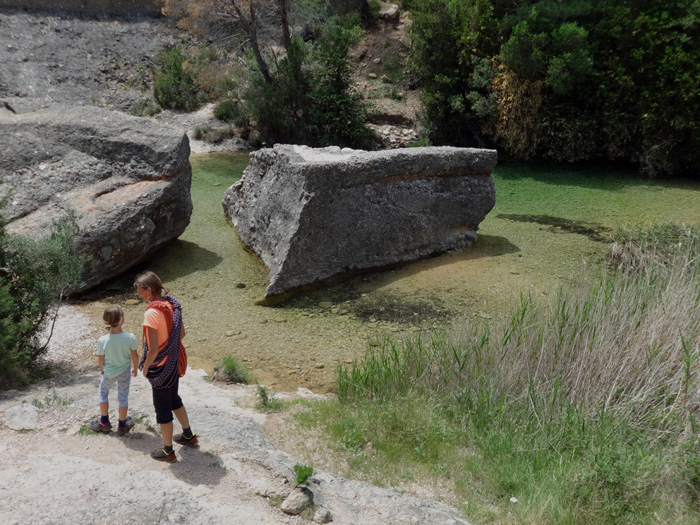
[[311, 100], [176, 85], [303, 473], [33, 274], [144, 108], [267, 402], [571, 81], [228, 111]]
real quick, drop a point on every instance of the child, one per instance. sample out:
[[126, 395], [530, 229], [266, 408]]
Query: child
[[116, 353]]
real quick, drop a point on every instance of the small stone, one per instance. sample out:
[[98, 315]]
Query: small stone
[[132, 301], [320, 367], [513, 500], [372, 76], [390, 12], [322, 515], [373, 342], [240, 285], [22, 417], [325, 304], [297, 501]]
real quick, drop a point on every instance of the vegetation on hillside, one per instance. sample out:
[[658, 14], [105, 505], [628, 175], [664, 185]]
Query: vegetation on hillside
[[565, 81], [583, 410], [301, 95], [33, 274], [572, 81]]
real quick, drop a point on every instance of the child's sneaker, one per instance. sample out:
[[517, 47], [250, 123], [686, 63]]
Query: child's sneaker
[[160, 454], [97, 426], [128, 425], [188, 442]]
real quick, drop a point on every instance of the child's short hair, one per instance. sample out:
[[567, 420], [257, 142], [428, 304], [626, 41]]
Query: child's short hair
[[113, 315], [148, 279]]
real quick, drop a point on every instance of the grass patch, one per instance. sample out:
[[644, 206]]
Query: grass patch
[[267, 401], [85, 430], [275, 500], [229, 369], [581, 409], [53, 399]]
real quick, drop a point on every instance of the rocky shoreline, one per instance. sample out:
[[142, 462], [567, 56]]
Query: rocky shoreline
[[61, 472]]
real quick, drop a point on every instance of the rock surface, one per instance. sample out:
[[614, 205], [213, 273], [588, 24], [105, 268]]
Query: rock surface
[[127, 179], [62, 473], [314, 214], [22, 417]]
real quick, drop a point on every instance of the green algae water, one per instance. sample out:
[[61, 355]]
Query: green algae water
[[547, 225]]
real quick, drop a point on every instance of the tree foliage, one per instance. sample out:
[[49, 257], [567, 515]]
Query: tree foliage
[[301, 91], [566, 81], [310, 100], [33, 274], [176, 85]]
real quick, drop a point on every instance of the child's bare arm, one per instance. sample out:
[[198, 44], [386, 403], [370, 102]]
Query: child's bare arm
[[101, 360], [134, 363]]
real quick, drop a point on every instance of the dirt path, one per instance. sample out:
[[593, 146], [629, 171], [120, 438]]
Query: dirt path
[[61, 472]]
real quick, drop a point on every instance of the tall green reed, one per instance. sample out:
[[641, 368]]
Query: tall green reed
[[624, 342]]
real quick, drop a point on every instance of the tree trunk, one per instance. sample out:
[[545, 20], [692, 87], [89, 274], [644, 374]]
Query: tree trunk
[[286, 36], [250, 25]]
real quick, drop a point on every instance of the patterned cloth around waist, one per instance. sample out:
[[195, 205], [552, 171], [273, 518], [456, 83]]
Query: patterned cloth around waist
[[165, 373]]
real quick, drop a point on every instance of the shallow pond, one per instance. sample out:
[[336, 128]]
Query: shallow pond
[[547, 224]]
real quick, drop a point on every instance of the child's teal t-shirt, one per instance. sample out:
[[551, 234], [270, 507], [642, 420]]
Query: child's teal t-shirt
[[117, 351]]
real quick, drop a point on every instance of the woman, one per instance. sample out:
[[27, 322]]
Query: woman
[[163, 332]]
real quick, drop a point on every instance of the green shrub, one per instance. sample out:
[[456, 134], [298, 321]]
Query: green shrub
[[370, 9], [234, 371], [267, 402], [33, 274], [303, 473], [576, 81], [176, 85], [311, 100], [228, 111], [144, 108]]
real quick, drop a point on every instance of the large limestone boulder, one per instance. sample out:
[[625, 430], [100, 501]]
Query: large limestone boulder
[[313, 214], [127, 179]]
